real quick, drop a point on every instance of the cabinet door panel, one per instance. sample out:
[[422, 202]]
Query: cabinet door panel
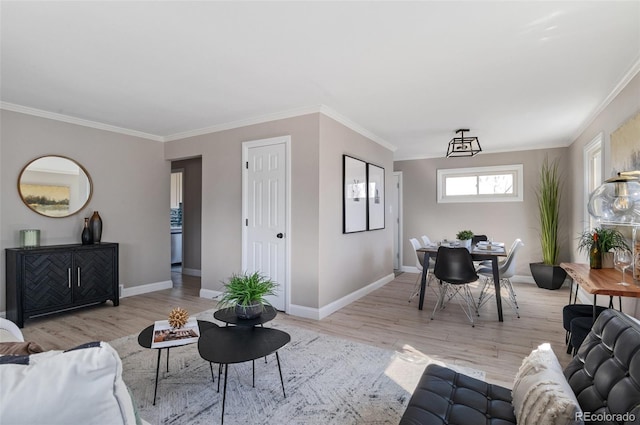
[[47, 280], [94, 274]]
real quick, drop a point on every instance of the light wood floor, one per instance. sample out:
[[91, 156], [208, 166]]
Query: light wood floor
[[383, 318]]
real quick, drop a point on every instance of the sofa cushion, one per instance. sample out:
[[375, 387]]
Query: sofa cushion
[[444, 396], [76, 386], [605, 373], [541, 394]]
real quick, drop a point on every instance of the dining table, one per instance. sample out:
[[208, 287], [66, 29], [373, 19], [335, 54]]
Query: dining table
[[480, 252]]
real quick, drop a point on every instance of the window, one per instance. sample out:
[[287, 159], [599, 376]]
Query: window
[[592, 175], [502, 183]]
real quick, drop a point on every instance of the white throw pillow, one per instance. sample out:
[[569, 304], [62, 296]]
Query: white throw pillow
[[541, 394], [81, 386]]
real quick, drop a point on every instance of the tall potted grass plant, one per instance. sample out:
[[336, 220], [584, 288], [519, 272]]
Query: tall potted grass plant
[[548, 274]]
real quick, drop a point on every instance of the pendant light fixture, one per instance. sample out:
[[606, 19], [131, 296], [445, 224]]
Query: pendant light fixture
[[617, 200], [463, 146]]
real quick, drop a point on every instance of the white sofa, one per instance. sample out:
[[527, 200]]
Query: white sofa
[[82, 385]]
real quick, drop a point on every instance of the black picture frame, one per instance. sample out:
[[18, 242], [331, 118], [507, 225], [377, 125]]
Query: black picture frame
[[375, 197], [354, 195]]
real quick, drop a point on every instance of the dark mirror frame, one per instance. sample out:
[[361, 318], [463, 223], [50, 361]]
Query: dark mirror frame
[[52, 193]]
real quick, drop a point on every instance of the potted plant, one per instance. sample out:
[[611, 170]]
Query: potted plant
[[247, 292], [548, 274], [607, 240], [465, 236]]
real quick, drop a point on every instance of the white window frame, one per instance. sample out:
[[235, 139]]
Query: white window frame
[[515, 169], [589, 152]]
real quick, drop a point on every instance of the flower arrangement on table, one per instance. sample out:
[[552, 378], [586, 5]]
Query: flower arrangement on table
[[602, 240]]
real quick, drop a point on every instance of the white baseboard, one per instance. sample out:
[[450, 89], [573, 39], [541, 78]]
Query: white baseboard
[[322, 312], [145, 289], [410, 269], [192, 272], [302, 311], [209, 293]]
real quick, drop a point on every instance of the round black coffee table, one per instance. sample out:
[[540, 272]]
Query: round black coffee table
[[228, 316], [145, 339], [239, 344]]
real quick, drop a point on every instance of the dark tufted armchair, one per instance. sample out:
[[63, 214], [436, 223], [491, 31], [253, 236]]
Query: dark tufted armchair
[[604, 375]]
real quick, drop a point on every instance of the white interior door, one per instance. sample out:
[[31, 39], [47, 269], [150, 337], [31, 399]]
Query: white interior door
[[396, 207], [265, 208]]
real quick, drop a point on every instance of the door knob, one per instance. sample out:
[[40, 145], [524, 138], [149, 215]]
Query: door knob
[[279, 236]]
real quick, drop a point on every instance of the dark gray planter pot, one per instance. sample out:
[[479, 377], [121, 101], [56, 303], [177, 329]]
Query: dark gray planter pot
[[250, 311], [546, 276]]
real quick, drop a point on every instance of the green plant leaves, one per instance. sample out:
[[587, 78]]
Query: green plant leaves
[[246, 289], [608, 239], [548, 196]]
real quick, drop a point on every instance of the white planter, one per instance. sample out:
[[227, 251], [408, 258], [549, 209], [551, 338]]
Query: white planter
[[607, 260]]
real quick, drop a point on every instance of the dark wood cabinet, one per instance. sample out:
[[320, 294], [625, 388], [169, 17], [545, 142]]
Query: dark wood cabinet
[[50, 279]]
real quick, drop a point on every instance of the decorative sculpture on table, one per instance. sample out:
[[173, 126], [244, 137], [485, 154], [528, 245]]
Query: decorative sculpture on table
[[178, 318]]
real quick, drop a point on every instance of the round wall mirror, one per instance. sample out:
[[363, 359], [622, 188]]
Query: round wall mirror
[[54, 186]]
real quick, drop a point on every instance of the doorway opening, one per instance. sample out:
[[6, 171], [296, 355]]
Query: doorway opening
[[396, 216], [186, 224], [176, 208]]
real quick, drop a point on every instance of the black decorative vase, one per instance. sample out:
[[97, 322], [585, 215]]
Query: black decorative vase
[[546, 276], [96, 227], [250, 311], [87, 237]]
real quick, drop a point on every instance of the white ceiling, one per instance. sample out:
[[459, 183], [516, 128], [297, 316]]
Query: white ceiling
[[519, 75]]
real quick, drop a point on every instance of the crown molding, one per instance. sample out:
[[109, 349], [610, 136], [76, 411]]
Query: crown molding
[[78, 121], [315, 109], [626, 78], [291, 113], [545, 146], [355, 127]]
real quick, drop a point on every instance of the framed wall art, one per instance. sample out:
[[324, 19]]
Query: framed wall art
[[625, 151], [354, 182], [375, 199]]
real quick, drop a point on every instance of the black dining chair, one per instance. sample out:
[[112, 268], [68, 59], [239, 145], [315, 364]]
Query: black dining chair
[[455, 270]]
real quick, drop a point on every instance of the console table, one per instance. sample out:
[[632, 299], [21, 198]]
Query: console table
[[599, 282], [54, 278]]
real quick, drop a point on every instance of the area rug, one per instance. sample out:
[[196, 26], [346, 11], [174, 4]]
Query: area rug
[[328, 380]]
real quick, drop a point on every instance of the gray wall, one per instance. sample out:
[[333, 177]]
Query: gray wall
[[191, 212], [221, 154], [504, 221], [352, 261], [325, 265], [135, 215], [623, 107]]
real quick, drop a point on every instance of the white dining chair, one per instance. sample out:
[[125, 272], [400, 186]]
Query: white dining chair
[[487, 263], [425, 241], [506, 271]]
